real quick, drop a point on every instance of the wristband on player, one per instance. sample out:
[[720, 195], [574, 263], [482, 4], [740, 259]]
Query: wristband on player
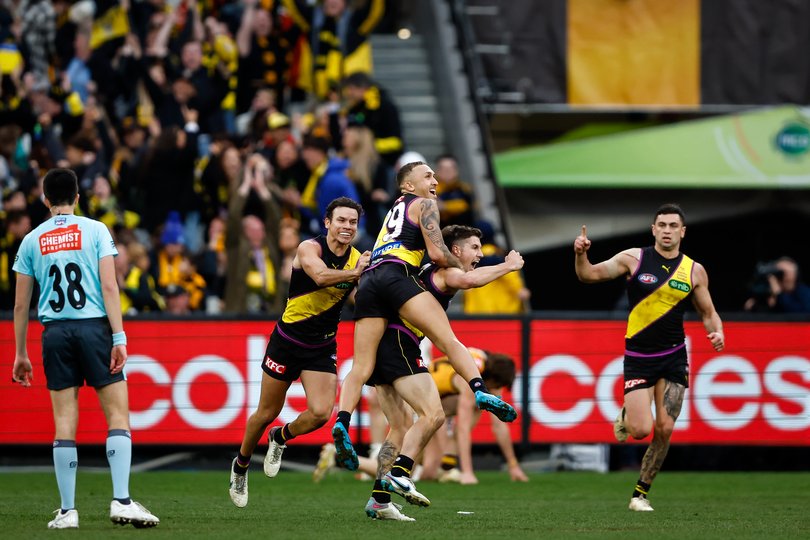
[[119, 338]]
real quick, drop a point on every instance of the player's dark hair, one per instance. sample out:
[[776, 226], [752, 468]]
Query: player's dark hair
[[499, 370], [60, 186], [670, 208], [456, 233], [403, 172], [343, 202]]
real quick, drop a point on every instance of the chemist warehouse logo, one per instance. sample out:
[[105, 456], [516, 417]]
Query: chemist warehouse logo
[[65, 239]]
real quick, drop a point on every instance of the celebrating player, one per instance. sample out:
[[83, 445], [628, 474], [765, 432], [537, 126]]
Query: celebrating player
[[303, 344], [660, 280]]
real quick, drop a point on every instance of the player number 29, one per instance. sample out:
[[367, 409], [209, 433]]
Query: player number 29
[[394, 222]]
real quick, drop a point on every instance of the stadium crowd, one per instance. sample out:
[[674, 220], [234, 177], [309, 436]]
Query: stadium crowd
[[208, 135]]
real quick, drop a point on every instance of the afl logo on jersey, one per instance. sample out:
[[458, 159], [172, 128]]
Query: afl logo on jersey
[[648, 278]]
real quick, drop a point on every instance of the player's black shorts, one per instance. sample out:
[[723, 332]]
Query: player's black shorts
[[78, 351], [397, 356], [644, 370], [285, 360], [383, 290]]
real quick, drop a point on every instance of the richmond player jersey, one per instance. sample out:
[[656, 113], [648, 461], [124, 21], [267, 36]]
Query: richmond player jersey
[[658, 292], [312, 313], [426, 277], [400, 239]]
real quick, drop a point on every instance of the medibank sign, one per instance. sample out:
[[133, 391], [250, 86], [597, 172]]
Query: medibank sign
[[195, 382]]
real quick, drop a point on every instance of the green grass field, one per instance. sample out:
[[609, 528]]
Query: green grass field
[[555, 505]]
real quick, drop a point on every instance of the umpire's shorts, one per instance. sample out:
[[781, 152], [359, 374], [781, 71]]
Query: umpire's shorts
[[77, 351]]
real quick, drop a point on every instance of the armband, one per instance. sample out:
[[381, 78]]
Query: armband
[[119, 338]]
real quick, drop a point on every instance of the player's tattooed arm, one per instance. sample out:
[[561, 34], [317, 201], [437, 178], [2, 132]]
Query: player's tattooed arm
[[437, 250], [385, 459]]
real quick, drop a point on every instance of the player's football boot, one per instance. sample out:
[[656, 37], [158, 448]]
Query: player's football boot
[[640, 504], [238, 489], [345, 456], [326, 462], [68, 520], [501, 409], [452, 475], [390, 511], [272, 461], [404, 486], [133, 513]]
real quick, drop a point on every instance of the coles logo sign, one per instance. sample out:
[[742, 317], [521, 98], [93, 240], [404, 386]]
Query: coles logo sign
[[198, 382], [751, 393]]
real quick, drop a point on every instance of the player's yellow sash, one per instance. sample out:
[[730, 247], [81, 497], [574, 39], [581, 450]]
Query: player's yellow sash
[[674, 289]]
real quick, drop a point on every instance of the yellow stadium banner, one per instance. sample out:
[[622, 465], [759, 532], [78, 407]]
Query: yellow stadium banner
[[633, 52]]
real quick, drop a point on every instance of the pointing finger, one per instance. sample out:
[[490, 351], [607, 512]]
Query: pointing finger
[[584, 231]]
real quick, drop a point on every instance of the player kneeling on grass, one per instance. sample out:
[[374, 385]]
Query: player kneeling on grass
[[71, 259], [447, 453]]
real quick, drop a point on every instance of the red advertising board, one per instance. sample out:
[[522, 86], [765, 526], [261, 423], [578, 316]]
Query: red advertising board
[[756, 391], [196, 382]]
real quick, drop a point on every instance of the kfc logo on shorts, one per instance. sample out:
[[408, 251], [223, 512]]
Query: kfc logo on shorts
[[421, 363], [274, 366], [648, 278], [633, 382]]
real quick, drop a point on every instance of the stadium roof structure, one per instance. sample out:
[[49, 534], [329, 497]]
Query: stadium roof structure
[[716, 168]]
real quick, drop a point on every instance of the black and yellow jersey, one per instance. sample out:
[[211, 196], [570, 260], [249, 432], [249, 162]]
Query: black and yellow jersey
[[312, 313], [444, 298], [658, 292], [400, 239]]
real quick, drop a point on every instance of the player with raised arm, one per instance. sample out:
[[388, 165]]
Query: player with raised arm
[[660, 281], [71, 259], [391, 285], [303, 343]]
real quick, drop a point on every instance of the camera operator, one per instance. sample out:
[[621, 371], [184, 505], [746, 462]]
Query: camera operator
[[776, 288]]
